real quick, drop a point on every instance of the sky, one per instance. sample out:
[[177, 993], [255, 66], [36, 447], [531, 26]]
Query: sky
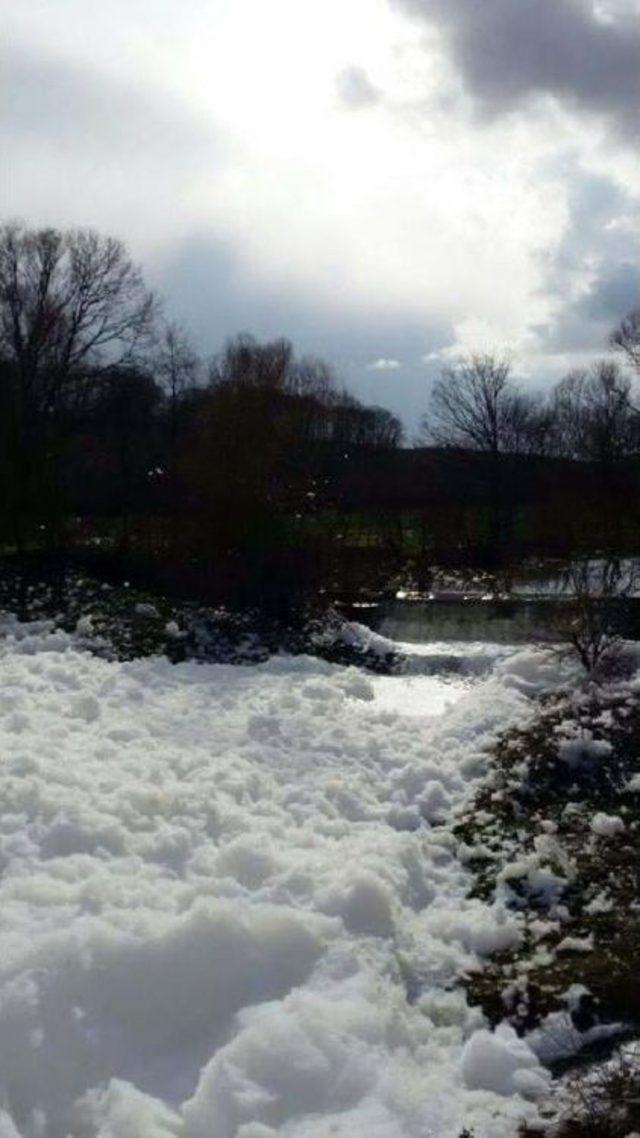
[[389, 183]]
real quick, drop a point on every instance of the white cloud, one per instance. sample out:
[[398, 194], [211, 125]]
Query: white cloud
[[384, 365]]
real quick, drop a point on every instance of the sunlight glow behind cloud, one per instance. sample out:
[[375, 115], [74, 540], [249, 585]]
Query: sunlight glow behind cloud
[[382, 194]]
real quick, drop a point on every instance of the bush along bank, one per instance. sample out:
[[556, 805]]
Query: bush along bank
[[119, 621], [554, 834]]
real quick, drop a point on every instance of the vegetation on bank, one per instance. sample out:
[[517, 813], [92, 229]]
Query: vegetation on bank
[[602, 1102], [121, 621], [554, 835]]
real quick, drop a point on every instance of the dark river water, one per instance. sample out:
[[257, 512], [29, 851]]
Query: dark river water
[[513, 621]]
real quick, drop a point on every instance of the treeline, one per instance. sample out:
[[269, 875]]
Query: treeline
[[589, 415], [256, 466], [567, 459], [114, 432]]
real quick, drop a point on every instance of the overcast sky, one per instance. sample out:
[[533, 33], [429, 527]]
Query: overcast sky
[[387, 182]]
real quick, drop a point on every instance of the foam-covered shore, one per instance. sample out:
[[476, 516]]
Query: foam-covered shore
[[230, 902]]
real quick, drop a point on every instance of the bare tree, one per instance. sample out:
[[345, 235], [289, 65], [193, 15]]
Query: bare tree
[[247, 364], [475, 406], [355, 425], [527, 425], [589, 616], [176, 363], [570, 416], [312, 378], [468, 404], [385, 429], [177, 367], [593, 415], [72, 304], [626, 338]]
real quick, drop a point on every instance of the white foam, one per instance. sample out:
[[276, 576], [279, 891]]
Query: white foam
[[230, 903]]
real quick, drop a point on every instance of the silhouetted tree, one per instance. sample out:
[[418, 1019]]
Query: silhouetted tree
[[176, 368], [595, 424], [72, 304], [475, 406], [593, 415], [175, 363], [626, 338], [471, 405]]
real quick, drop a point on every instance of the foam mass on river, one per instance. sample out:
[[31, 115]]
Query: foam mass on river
[[231, 902]]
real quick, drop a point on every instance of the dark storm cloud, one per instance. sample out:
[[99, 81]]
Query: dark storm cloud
[[614, 293], [587, 323], [355, 89], [594, 260], [511, 50]]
